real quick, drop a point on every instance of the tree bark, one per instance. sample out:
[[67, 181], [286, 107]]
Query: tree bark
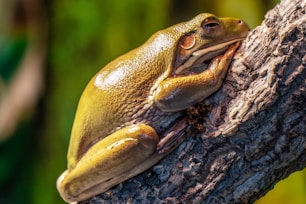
[[254, 134]]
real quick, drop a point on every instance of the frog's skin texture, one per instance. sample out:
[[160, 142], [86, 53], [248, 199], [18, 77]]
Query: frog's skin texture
[[129, 102]]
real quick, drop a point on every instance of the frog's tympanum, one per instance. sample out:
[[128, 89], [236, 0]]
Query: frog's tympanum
[[133, 99]]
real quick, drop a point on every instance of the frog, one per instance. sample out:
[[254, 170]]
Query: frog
[[129, 103]]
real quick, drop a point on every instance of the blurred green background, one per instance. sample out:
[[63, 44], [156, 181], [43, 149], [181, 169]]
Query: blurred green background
[[50, 50]]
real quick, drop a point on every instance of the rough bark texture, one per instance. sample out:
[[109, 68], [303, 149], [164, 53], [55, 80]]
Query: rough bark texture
[[255, 133]]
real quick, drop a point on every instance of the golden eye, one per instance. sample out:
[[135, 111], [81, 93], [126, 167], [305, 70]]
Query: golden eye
[[210, 24]]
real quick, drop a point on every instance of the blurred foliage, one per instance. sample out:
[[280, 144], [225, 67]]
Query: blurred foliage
[[289, 191], [13, 41], [83, 37], [11, 52]]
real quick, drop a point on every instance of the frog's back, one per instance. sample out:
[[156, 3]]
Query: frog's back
[[111, 100], [121, 94]]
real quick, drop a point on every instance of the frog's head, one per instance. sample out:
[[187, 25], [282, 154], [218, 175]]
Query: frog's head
[[202, 38]]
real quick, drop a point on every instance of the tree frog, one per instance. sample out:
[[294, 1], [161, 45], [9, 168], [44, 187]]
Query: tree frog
[[133, 99]]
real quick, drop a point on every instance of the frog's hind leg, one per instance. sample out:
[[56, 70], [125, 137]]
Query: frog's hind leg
[[107, 184], [105, 163]]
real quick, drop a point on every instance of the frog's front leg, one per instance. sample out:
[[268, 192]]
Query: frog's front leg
[[107, 159], [179, 93]]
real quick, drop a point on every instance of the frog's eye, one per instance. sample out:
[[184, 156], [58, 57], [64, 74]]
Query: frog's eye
[[188, 41], [210, 24]]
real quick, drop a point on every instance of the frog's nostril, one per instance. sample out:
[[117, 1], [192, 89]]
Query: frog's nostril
[[242, 23]]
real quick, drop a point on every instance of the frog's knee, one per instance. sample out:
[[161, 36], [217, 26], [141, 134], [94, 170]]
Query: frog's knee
[[145, 131]]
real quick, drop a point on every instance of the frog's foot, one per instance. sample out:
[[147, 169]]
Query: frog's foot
[[103, 165], [219, 65], [178, 93]]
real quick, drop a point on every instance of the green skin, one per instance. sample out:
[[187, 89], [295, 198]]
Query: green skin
[[131, 100]]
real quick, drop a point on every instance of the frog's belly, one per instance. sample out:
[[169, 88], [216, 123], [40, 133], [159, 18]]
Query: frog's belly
[[154, 117]]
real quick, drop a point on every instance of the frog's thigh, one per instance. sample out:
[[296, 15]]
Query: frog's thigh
[[112, 156]]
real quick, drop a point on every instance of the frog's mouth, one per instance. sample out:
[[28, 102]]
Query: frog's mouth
[[198, 61]]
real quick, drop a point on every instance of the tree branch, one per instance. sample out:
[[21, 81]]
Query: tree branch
[[255, 132]]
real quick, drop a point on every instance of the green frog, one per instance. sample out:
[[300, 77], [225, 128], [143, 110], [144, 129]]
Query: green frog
[[133, 99]]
